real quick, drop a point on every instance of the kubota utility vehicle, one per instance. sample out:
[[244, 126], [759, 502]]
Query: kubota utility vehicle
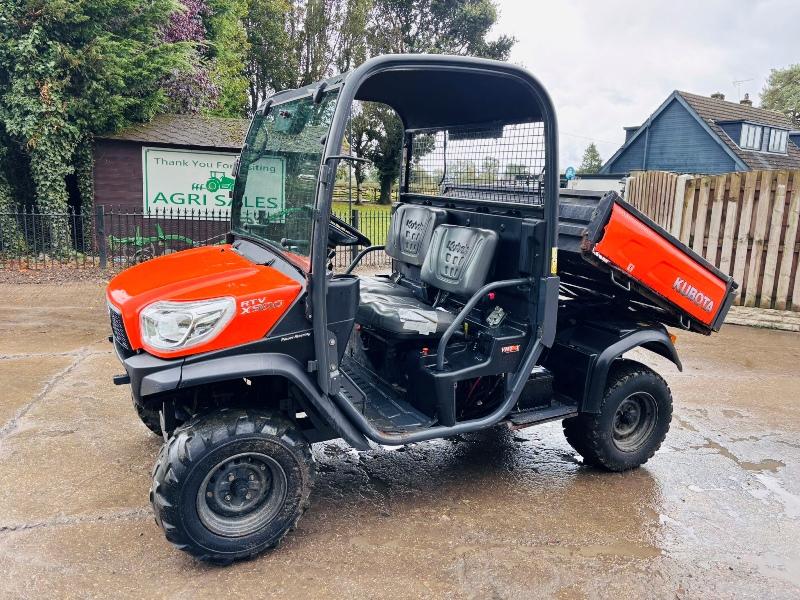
[[505, 306]]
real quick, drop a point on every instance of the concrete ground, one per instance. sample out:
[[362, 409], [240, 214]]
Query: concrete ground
[[716, 513]]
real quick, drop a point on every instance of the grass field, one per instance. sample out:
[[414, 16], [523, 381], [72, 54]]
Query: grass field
[[373, 219]]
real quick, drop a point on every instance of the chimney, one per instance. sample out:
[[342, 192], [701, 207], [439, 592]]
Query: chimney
[[746, 100], [718, 96]]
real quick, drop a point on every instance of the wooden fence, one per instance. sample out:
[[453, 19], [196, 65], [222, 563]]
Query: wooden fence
[[745, 223]]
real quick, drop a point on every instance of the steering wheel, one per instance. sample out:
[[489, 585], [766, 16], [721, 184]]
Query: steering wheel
[[342, 234]]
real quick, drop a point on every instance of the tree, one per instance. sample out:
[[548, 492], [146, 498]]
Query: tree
[[216, 84], [190, 90], [9, 231], [385, 146], [435, 26], [515, 169], [490, 167], [359, 141], [591, 162], [462, 170], [228, 48], [782, 92], [271, 59], [438, 27], [72, 69], [296, 42]]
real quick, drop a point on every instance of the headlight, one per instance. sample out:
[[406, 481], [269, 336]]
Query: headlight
[[170, 326]]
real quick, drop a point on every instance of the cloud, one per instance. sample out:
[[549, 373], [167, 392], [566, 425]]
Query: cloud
[[611, 63]]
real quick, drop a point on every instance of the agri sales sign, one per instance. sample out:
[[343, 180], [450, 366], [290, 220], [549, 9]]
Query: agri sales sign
[[186, 181]]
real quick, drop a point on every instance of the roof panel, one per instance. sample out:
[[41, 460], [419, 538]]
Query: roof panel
[[714, 111], [186, 130]]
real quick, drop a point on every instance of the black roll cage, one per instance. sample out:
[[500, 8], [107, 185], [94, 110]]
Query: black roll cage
[[544, 282], [348, 93]]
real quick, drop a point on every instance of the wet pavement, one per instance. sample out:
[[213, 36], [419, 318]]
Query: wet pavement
[[497, 514]]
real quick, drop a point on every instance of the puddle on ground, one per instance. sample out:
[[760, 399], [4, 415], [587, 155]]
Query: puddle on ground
[[768, 464], [685, 424]]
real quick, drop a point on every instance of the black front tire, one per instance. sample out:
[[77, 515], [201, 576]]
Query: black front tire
[[150, 417], [633, 421], [231, 484]]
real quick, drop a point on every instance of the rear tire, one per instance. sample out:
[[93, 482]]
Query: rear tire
[[633, 421], [231, 484]]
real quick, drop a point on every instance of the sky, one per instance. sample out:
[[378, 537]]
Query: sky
[[610, 63]]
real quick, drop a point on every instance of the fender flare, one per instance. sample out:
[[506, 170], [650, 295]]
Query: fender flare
[[282, 365], [653, 339]]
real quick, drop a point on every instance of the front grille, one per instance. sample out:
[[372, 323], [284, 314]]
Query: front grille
[[118, 329]]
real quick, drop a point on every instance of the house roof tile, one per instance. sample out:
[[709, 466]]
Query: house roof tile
[[187, 130], [714, 111]]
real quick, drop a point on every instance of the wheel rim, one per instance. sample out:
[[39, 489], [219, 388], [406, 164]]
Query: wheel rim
[[634, 421], [241, 494]]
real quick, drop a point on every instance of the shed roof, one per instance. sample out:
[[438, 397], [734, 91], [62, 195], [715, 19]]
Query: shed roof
[[186, 130], [714, 111]]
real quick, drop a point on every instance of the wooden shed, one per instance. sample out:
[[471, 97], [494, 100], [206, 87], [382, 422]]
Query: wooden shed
[[167, 163]]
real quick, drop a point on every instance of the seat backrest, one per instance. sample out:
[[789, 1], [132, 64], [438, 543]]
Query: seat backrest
[[459, 258], [411, 230]]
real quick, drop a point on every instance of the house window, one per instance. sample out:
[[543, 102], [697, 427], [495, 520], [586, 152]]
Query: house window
[[777, 140], [751, 137]]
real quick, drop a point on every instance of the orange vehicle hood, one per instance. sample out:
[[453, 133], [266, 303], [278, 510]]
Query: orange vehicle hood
[[201, 274]]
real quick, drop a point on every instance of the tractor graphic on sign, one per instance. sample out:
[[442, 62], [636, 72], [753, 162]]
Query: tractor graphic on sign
[[219, 181]]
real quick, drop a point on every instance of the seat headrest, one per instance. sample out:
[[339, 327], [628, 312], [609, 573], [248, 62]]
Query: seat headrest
[[411, 230], [459, 258]]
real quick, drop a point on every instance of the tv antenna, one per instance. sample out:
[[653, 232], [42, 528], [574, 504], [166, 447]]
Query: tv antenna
[[738, 83]]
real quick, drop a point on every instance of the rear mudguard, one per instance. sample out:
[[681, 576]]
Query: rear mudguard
[[582, 356], [150, 375], [655, 340]]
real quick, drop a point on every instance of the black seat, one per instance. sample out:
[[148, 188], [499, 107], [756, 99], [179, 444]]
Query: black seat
[[407, 241], [457, 262]]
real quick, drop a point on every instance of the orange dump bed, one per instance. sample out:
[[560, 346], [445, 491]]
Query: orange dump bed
[[644, 256]]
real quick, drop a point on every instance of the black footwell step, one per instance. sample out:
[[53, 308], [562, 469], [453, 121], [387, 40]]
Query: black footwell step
[[556, 410], [377, 401]]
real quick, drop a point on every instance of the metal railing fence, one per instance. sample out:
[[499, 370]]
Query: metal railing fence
[[115, 238]]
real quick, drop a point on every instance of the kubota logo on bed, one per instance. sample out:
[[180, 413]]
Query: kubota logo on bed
[[692, 293]]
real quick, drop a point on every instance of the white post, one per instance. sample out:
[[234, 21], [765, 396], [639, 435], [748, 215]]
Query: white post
[[627, 187]]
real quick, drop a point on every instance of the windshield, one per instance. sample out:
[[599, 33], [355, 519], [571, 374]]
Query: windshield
[[273, 198]]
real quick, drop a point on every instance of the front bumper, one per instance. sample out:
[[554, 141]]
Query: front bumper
[[148, 374]]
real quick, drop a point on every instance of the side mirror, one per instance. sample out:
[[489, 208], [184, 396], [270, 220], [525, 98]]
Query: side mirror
[[317, 95], [265, 107]]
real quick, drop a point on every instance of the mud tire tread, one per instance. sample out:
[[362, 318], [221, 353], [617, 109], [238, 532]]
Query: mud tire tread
[[191, 442], [588, 433]]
